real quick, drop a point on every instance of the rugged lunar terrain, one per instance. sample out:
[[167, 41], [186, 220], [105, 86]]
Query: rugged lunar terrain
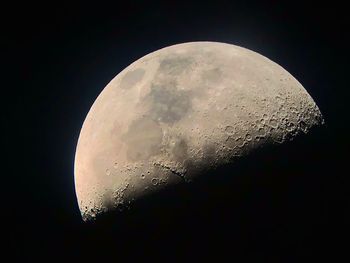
[[178, 111]]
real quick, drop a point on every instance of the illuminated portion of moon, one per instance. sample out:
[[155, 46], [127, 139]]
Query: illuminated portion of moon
[[179, 110]]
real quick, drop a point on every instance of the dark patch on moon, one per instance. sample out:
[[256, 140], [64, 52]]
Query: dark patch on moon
[[231, 142], [143, 138], [169, 104], [175, 65], [131, 78], [107, 199], [208, 151], [180, 150], [212, 75]]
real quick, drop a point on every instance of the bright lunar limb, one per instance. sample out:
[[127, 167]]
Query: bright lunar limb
[[179, 110]]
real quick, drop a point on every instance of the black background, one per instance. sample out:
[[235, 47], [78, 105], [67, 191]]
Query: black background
[[284, 205]]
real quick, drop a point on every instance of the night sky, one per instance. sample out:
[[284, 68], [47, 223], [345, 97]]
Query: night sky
[[286, 205]]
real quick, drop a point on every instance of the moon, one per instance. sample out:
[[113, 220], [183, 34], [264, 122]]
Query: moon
[[181, 110]]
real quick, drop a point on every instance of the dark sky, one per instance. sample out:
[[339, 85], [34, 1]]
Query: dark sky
[[59, 57]]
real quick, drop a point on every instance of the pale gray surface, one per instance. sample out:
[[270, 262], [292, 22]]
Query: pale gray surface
[[176, 110]]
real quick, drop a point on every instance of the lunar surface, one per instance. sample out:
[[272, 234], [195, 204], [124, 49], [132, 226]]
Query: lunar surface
[[178, 111]]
